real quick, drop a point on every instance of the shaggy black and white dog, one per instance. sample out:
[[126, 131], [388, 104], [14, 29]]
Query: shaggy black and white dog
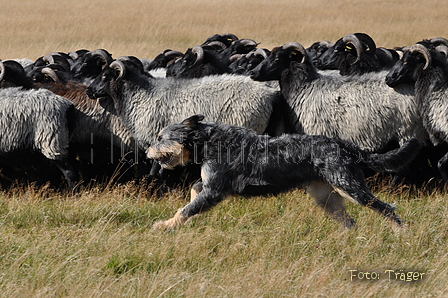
[[236, 160]]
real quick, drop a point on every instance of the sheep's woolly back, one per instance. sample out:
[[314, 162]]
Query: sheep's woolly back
[[361, 109], [231, 99], [34, 119], [435, 116], [431, 97], [97, 117]]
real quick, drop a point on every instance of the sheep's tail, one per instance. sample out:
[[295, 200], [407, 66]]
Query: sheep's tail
[[394, 160]]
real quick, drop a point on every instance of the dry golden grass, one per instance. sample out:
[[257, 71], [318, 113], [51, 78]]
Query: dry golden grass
[[144, 28], [100, 243]]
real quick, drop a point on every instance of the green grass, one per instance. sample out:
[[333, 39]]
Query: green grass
[[100, 243]]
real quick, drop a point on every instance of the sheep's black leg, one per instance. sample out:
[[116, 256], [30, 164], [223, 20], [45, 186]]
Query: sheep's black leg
[[442, 167], [155, 168], [67, 171]]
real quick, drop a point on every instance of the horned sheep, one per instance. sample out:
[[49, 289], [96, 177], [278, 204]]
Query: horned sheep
[[427, 69], [148, 104], [96, 126], [361, 109]]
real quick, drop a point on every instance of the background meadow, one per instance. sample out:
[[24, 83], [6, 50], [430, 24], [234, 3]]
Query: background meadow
[[99, 243]]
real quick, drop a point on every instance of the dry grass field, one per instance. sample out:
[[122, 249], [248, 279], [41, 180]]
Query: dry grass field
[[99, 243], [144, 28]]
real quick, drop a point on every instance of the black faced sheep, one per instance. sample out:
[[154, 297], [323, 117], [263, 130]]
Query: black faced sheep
[[99, 137], [360, 109], [197, 62], [147, 104], [88, 66], [12, 74], [428, 70], [356, 54]]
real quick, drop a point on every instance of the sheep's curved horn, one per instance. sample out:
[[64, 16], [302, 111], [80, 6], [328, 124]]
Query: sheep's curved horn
[[422, 50], [56, 58], [296, 46], [351, 38], [50, 72], [199, 52], [248, 42], [326, 43], [118, 65], [173, 54], [2, 70], [49, 59], [102, 54], [261, 52], [387, 52], [439, 40], [366, 39], [73, 55], [442, 49], [236, 57], [217, 43]]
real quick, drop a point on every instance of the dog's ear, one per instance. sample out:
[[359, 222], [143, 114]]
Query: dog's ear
[[192, 122]]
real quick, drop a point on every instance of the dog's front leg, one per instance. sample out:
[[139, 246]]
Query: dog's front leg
[[177, 220], [195, 190], [204, 201]]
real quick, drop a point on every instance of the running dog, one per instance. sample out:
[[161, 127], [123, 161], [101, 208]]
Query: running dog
[[236, 160]]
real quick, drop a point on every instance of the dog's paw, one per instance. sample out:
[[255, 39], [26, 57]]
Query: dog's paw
[[177, 220], [161, 225]]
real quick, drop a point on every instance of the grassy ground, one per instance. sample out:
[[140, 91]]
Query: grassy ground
[[100, 242]]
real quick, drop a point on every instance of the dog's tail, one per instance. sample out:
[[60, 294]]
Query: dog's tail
[[394, 160]]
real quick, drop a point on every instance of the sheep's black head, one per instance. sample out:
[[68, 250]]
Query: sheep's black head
[[91, 64], [12, 74], [188, 63], [406, 70], [53, 73], [164, 59], [352, 54], [100, 87], [278, 61]]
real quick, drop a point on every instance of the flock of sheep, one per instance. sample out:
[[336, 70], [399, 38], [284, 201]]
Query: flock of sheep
[[87, 114]]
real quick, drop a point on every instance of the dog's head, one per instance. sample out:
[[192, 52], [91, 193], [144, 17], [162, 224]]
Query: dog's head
[[176, 142]]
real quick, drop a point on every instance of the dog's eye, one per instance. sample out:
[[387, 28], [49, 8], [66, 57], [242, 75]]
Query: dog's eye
[[159, 138]]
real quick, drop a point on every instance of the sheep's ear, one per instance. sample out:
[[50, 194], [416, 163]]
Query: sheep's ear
[[192, 122], [296, 55]]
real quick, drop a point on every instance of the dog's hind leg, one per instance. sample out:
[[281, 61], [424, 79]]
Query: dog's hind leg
[[331, 201], [358, 192]]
